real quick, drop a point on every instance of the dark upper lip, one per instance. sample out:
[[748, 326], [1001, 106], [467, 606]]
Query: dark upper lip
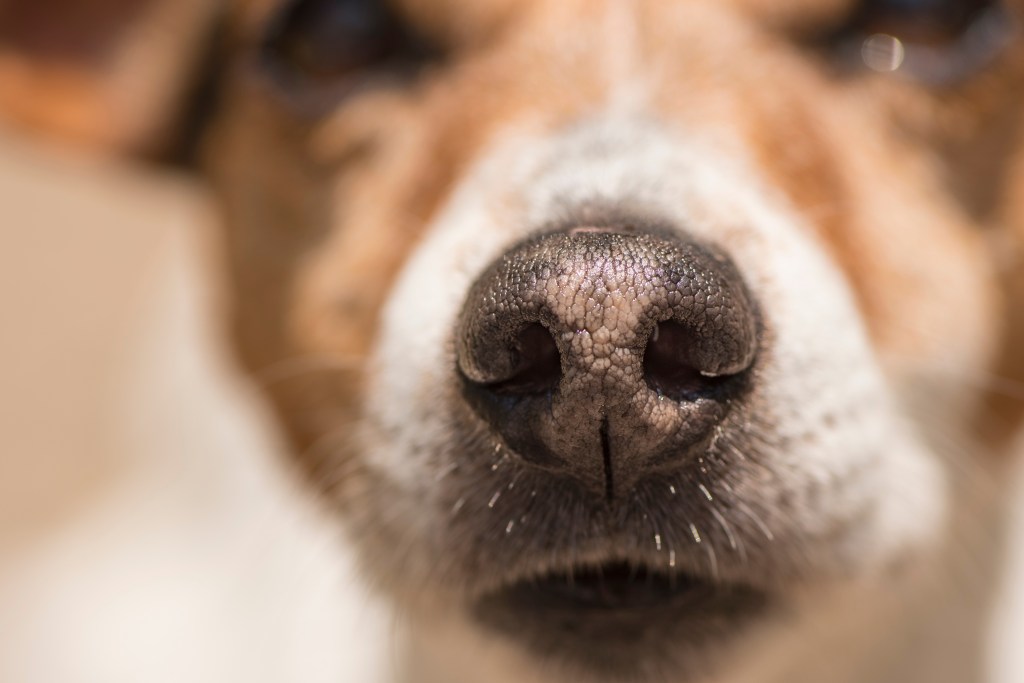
[[615, 619], [620, 586]]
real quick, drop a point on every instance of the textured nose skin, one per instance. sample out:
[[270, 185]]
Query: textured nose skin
[[606, 355]]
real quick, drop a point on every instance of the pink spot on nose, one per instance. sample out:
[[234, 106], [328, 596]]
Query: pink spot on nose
[[592, 229]]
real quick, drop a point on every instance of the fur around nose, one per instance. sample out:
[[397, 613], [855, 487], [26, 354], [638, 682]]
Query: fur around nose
[[606, 354]]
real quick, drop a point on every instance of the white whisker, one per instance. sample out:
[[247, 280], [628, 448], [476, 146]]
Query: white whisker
[[742, 507], [733, 543]]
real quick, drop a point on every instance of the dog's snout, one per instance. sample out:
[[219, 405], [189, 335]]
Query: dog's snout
[[604, 354]]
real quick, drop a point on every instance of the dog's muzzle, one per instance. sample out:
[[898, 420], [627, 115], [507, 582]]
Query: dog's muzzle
[[607, 354]]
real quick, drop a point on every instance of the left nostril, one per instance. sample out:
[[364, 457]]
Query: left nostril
[[536, 362], [667, 365]]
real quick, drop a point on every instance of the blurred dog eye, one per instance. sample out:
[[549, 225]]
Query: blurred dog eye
[[327, 42], [936, 42]]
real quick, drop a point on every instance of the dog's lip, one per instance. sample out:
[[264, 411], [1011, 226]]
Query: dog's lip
[[616, 618], [620, 587]]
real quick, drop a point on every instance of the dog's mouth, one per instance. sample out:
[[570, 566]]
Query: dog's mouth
[[611, 615], [609, 587]]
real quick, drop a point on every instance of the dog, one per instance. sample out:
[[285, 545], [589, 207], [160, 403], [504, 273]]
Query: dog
[[637, 340]]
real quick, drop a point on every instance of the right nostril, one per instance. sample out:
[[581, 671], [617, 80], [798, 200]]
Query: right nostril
[[537, 365], [667, 365]]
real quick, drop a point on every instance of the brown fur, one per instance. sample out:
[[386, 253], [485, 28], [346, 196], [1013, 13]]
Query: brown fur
[[850, 156], [101, 75]]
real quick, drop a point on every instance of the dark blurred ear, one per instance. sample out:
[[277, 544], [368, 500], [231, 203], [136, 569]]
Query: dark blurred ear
[[108, 75], [1013, 223], [1003, 414]]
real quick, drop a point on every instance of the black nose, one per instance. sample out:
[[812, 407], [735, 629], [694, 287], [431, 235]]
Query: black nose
[[607, 355]]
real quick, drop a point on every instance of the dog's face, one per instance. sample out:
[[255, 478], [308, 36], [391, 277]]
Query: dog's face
[[613, 327]]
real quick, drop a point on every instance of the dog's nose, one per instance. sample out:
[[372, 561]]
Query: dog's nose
[[607, 355]]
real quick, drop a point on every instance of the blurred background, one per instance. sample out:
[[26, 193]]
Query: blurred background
[[149, 528]]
